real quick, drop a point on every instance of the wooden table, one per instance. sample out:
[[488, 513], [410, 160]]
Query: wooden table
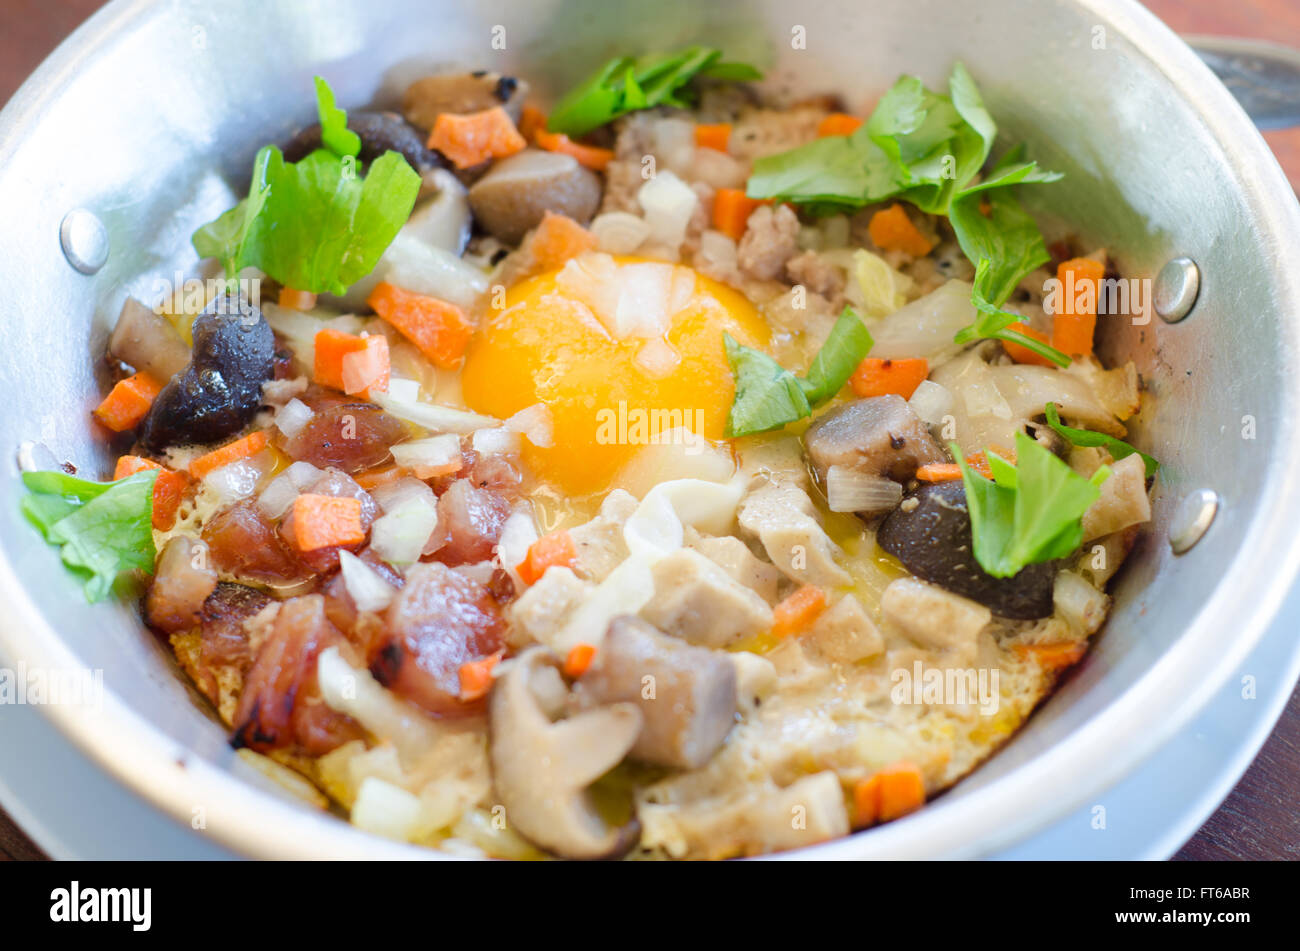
[[1260, 819]]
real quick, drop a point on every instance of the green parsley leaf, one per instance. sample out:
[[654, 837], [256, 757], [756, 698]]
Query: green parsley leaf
[[1028, 513], [768, 396], [103, 528], [229, 237], [334, 132], [1118, 448], [625, 85], [993, 323]]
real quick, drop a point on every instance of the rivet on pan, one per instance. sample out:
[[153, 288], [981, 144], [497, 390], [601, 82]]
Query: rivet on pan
[[1176, 288], [1193, 517], [84, 240]]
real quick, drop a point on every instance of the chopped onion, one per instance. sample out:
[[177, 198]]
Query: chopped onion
[[534, 422], [404, 390], [931, 402], [926, 326], [238, 480], [292, 417], [643, 295], [479, 571], [439, 419], [369, 590], [1081, 605], [422, 269], [668, 203], [284, 488], [355, 691], [673, 141], [517, 536], [392, 495], [657, 358], [297, 328], [433, 452], [850, 490], [495, 442], [384, 809], [619, 232], [399, 536]]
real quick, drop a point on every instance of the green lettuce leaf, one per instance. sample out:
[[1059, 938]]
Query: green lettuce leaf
[[334, 132]]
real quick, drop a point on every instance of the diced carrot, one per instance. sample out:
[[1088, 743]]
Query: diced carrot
[[1053, 657], [866, 801], [127, 404], [589, 155], [1075, 322], [558, 238], [556, 548], [838, 123], [323, 521], [939, 472], [713, 135], [241, 448], [891, 230], [168, 489], [731, 211], [476, 676], [888, 794], [877, 377], [331, 346], [297, 300], [440, 330], [578, 660], [366, 370], [473, 138], [798, 610], [1022, 354], [531, 119]]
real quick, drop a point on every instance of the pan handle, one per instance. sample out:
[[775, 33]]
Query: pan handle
[[1264, 77]]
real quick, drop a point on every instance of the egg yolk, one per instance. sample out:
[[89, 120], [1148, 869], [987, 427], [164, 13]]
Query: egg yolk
[[606, 394]]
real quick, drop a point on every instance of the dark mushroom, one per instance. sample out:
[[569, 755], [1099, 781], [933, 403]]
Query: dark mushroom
[[379, 132], [514, 195], [460, 93], [930, 533], [218, 393]]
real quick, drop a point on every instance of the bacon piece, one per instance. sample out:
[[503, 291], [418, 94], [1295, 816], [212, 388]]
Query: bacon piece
[[243, 544], [346, 434], [181, 582]]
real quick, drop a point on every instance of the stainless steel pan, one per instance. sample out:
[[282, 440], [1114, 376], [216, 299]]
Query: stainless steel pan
[[146, 114]]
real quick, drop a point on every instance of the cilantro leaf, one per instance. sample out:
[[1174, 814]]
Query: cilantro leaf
[[228, 237], [1027, 513], [624, 85], [103, 528], [1118, 448], [334, 132], [993, 323], [1007, 237], [768, 396]]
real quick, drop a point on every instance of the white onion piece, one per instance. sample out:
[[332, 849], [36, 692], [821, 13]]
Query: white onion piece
[[673, 141], [668, 203], [292, 417], [439, 419], [931, 402], [1081, 605], [238, 480], [926, 326], [404, 390], [287, 486], [399, 536], [391, 495], [387, 810], [434, 451], [643, 301], [422, 269], [849, 490], [534, 422], [297, 328], [495, 442], [619, 232], [657, 358], [517, 536], [479, 571], [625, 590], [369, 590], [355, 691]]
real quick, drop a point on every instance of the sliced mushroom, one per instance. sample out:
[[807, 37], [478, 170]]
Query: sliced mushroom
[[879, 435], [459, 93], [513, 196], [379, 132], [218, 393], [930, 534], [686, 694], [145, 341], [541, 769], [442, 219]]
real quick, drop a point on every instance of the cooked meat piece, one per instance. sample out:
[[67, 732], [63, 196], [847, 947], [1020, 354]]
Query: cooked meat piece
[[781, 518], [469, 523], [734, 557], [932, 538], [771, 238], [243, 545], [347, 435], [461, 93], [379, 132], [934, 618], [281, 705], [438, 621], [544, 607], [687, 695], [1123, 500], [879, 435], [225, 641], [599, 543], [337, 484], [182, 580], [844, 633], [339, 606], [218, 393], [699, 602], [496, 471], [512, 197], [816, 274], [147, 342]]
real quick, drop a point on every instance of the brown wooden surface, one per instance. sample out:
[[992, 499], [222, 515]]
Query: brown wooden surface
[[1260, 819]]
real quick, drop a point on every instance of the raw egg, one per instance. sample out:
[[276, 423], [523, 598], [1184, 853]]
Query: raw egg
[[618, 350]]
